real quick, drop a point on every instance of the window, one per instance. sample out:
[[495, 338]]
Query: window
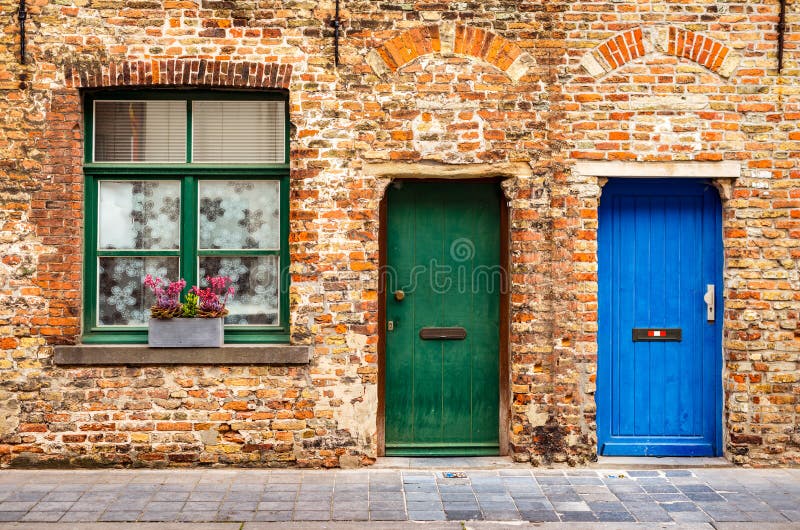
[[186, 184]]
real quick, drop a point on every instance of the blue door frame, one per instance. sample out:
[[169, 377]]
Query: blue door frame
[[659, 247]]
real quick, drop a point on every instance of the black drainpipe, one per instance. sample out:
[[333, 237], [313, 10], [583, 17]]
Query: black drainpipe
[[22, 15], [335, 24]]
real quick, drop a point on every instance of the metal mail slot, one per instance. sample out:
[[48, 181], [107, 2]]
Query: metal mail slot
[[443, 333], [657, 334]]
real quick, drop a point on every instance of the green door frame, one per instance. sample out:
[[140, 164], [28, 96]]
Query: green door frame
[[504, 397]]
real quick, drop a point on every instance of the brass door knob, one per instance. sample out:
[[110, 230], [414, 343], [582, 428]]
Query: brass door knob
[[399, 295]]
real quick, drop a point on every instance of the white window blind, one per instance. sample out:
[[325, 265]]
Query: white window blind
[[238, 131], [140, 131]]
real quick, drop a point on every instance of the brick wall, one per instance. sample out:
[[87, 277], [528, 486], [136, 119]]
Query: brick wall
[[546, 84]]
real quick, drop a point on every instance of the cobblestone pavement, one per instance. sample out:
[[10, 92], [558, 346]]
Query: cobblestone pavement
[[549, 495]]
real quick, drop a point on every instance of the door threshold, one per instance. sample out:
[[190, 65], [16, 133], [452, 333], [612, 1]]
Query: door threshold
[[659, 462], [448, 462]]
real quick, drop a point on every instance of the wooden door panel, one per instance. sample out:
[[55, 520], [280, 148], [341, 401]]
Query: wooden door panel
[[659, 246], [442, 396]]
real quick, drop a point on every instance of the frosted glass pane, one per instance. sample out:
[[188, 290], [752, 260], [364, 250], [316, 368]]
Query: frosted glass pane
[[238, 131], [140, 214], [256, 280], [122, 299], [140, 131], [239, 214]]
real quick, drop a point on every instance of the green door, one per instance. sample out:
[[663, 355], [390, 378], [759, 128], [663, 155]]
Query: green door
[[443, 253]]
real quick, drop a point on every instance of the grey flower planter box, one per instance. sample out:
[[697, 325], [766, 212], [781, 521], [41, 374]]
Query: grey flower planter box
[[185, 333]]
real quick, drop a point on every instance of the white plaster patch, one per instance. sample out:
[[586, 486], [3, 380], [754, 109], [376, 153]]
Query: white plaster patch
[[649, 40], [591, 65], [376, 62], [447, 36], [535, 417], [729, 65], [667, 102], [659, 39], [520, 67], [449, 132], [356, 341], [208, 436], [727, 169], [9, 413], [681, 129], [358, 414], [444, 102]]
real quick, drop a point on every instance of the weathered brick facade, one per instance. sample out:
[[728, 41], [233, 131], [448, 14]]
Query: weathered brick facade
[[421, 87]]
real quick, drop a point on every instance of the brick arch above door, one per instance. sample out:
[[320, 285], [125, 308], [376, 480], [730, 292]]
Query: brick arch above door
[[450, 39], [629, 45], [180, 72]]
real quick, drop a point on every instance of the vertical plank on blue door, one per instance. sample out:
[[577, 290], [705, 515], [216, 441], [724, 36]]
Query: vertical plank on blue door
[[641, 314], [695, 313], [687, 264], [624, 356], [660, 275], [674, 367]]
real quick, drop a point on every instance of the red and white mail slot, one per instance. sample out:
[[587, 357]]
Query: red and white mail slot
[[657, 334]]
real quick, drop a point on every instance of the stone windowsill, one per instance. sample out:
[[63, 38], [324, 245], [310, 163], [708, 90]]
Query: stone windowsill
[[142, 355]]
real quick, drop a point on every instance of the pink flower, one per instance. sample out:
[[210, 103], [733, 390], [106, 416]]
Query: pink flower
[[152, 283], [176, 287], [210, 298], [169, 298]]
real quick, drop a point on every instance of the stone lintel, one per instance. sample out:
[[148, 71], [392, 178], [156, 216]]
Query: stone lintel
[[439, 170], [142, 355], [727, 169]]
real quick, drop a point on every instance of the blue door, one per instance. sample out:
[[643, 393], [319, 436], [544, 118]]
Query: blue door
[[660, 317]]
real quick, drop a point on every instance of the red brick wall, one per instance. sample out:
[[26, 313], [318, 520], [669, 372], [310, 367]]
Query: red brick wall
[[442, 83]]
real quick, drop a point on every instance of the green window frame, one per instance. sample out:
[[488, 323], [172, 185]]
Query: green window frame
[[190, 175]]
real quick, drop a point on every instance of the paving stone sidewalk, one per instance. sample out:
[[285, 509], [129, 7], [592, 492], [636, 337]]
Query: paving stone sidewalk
[[534, 495]]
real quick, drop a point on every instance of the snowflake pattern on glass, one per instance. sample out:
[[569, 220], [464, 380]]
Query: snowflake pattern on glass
[[256, 280], [145, 214], [122, 298], [141, 214], [211, 209], [236, 214]]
